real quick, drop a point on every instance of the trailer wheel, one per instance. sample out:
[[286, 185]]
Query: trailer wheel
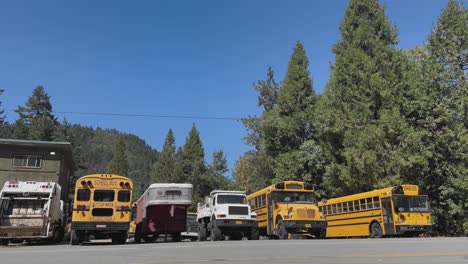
[[176, 237], [137, 236], [202, 232]]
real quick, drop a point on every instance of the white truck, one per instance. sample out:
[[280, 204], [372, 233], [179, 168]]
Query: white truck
[[226, 213], [31, 211]]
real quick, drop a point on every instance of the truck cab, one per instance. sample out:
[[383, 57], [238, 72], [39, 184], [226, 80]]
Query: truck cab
[[226, 214]]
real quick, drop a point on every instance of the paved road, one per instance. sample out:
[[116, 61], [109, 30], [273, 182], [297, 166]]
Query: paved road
[[403, 250]]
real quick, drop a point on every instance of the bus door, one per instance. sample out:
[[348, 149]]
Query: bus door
[[270, 226], [387, 216]]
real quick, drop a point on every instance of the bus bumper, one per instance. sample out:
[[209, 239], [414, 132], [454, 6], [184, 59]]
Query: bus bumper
[[99, 226], [401, 229], [305, 226]]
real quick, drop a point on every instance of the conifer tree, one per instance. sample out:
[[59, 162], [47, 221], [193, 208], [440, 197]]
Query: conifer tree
[[2, 116], [36, 120], [119, 165], [164, 170]]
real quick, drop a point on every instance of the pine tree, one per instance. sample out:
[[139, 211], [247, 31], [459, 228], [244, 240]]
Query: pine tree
[[364, 136], [193, 164], [165, 167], [119, 165], [2, 116], [287, 127], [216, 173], [444, 71], [36, 120]]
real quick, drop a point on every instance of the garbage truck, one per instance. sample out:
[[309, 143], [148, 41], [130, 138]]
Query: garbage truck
[[31, 211]]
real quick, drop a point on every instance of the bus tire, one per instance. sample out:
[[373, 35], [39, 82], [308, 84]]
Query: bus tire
[[375, 231], [120, 238], [74, 239], [281, 232], [216, 234], [321, 234], [202, 232]]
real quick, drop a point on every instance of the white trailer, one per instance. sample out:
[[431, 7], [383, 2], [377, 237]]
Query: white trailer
[[226, 213], [31, 211]]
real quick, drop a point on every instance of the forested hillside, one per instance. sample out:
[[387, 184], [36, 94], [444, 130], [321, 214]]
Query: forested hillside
[[386, 116]]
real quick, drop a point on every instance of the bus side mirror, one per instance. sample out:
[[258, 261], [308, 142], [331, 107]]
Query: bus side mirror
[[324, 200]]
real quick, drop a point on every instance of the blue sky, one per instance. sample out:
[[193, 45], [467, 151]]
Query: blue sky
[[173, 57]]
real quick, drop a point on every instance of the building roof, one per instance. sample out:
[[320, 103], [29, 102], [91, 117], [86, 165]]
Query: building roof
[[36, 143]]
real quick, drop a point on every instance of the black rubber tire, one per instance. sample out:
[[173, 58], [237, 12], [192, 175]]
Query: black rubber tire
[[176, 237], [216, 234], [4, 242], [375, 231], [281, 232], [254, 234], [59, 233], [202, 232], [322, 234], [74, 239], [137, 235]]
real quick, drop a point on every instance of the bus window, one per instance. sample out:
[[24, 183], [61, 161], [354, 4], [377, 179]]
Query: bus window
[[345, 207], [104, 195], [123, 196], [333, 208], [329, 211], [362, 202], [356, 206], [339, 208], [263, 204], [83, 195], [376, 202], [350, 206], [369, 203]]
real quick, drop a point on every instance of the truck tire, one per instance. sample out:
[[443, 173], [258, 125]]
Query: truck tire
[[254, 234], [216, 234], [59, 233], [4, 242], [202, 232], [281, 232]]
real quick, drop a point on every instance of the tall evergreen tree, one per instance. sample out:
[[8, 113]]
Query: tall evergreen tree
[[216, 173], [119, 164], [365, 138], [36, 120], [2, 116], [444, 71], [164, 170]]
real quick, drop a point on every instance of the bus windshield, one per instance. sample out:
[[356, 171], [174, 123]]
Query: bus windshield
[[294, 197], [410, 203]]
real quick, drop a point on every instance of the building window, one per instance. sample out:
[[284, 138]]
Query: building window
[[27, 161]]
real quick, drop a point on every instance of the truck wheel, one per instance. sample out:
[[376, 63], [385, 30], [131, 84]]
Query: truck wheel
[[375, 231], [59, 232], [216, 234], [281, 232], [202, 232], [4, 242], [254, 234]]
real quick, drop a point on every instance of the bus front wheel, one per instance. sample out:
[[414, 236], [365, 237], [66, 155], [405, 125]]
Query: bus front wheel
[[375, 231], [281, 232]]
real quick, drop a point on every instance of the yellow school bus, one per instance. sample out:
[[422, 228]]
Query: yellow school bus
[[288, 207], [132, 226], [101, 208], [399, 210]]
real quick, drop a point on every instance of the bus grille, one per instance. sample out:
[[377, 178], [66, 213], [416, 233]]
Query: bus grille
[[306, 213], [238, 210]]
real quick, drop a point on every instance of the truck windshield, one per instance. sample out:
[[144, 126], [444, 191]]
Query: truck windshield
[[410, 203], [231, 199], [294, 197]]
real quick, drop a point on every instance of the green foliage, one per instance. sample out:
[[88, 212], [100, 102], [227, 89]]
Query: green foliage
[[2, 116], [164, 169], [254, 171], [118, 165], [36, 120]]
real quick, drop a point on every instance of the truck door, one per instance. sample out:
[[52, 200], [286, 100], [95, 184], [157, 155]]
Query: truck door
[[387, 216], [270, 224]]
